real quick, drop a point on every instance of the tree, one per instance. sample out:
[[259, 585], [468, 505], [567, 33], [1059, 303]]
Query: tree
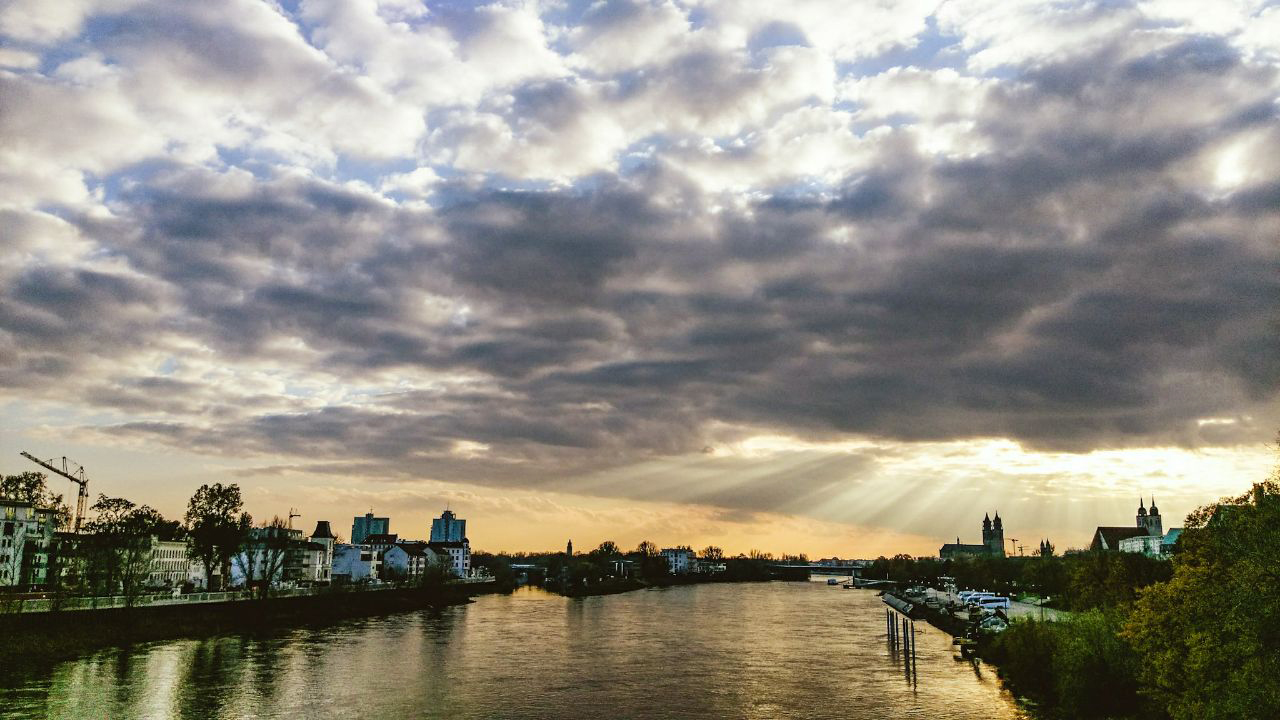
[[607, 549], [116, 547], [1210, 637], [712, 553], [646, 549], [263, 553], [217, 525], [32, 487]]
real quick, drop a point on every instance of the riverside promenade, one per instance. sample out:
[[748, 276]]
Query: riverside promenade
[[108, 602]]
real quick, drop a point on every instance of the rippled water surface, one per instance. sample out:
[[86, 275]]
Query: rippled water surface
[[775, 650]]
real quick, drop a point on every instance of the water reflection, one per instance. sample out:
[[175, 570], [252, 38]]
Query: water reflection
[[739, 651]]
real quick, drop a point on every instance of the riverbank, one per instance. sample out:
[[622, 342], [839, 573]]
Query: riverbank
[[36, 639], [614, 586]]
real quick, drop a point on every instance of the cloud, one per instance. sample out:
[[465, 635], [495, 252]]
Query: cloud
[[360, 235]]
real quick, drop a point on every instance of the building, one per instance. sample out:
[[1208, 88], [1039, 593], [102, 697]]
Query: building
[[322, 572], [170, 566], [196, 579], [26, 542], [1148, 524], [680, 560], [1150, 519], [283, 556], [353, 564], [992, 542], [363, 527], [448, 528], [1156, 546], [455, 555], [378, 544], [408, 560]]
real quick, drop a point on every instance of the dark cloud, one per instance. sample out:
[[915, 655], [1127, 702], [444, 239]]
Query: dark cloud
[[1078, 281]]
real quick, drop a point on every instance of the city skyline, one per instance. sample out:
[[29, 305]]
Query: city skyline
[[835, 278]]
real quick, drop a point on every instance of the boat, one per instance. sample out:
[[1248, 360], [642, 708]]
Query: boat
[[850, 585], [833, 581]]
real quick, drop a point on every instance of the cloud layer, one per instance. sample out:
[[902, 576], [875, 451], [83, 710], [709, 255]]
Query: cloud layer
[[519, 243]]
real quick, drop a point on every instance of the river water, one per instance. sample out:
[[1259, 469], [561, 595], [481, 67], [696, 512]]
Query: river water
[[754, 650]]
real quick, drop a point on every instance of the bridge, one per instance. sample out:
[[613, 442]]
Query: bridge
[[815, 569]]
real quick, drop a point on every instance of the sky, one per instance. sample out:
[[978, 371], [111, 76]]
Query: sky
[[825, 277]]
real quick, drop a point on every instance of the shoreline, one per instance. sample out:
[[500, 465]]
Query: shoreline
[[53, 637], [616, 587]]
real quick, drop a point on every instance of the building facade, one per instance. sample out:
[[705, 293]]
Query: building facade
[[363, 527], [354, 564], [407, 561], [26, 543], [680, 561], [170, 566], [448, 528], [455, 555]]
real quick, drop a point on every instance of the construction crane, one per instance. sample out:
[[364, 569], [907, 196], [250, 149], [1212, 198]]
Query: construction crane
[[75, 475], [292, 514]]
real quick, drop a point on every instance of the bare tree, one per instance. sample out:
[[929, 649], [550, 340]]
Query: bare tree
[[263, 553]]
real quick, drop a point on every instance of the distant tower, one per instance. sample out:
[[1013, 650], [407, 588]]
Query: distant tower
[[1046, 548], [993, 535], [1152, 522], [569, 549]]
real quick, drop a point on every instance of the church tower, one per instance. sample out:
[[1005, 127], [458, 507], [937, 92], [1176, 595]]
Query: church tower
[[996, 544], [1151, 519]]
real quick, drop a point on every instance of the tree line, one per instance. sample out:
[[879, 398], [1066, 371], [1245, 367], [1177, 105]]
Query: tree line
[[1202, 643], [114, 552]]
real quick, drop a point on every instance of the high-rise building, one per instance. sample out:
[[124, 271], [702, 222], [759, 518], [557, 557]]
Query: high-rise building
[[368, 525], [448, 528]]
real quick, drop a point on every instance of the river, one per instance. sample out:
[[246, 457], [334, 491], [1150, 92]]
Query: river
[[753, 650]]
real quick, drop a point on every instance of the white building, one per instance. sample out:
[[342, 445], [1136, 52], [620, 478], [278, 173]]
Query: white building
[[354, 563], [283, 556], [26, 536], [170, 567], [196, 576], [408, 560], [319, 568], [1156, 546], [456, 556], [680, 561]]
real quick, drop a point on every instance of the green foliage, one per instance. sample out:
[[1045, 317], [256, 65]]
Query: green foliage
[[1110, 579], [1210, 637], [1078, 667], [115, 553]]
